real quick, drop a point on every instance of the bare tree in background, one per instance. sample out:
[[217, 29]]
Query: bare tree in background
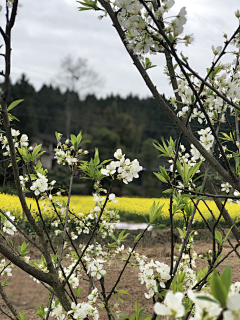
[[76, 77]]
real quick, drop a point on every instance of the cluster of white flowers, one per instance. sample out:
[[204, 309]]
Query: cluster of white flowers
[[74, 279], [206, 138], [93, 295], [126, 170], [78, 311], [204, 308], [86, 222], [225, 78], [137, 20], [188, 261], [95, 268], [82, 310], [172, 306], [57, 311], [187, 265], [236, 193], [8, 227], [65, 155], [22, 142], [151, 272], [39, 186]]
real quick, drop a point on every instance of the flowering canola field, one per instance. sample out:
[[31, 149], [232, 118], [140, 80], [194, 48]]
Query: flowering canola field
[[130, 209]]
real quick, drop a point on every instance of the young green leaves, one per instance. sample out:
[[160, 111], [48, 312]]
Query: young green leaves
[[29, 156], [23, 251], [138, 315], [88, 5], [155, 212], [186, 172], [76, 140], [92, 168], [148, 64]]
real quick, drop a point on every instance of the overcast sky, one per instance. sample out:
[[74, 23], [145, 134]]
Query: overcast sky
[[46, 31]]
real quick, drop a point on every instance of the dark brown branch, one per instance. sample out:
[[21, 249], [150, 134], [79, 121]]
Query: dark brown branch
[[3, 34], [38, 274], [6, 314], [8, 302], [13, 14]]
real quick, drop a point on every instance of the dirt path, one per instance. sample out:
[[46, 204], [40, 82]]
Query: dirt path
[[26, 293]]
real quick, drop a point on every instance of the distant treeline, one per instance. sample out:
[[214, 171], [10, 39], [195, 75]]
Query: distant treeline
[[110, 123], [128, 123]]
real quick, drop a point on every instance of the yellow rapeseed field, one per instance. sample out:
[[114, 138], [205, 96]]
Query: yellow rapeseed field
[[139, 206]]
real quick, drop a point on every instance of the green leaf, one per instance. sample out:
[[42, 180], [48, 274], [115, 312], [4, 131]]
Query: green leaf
[[79, 138], [226, 278], [14, 104], [35, 151], [137, 237], [74, 141], [148, 64], [218, 237], [23, 249], [4, 283], [183, 57], [168, 191], [206, 298], [78, 291], [218, 290], [96, 160], [88, 5], [227, 235], [58, 136], [160, 177], [113, 245], [228, 138], [22, 316], [136, 309], [140, 314], [170, 38], [154, 212], [41, 312], [11, 117], [122, 315]]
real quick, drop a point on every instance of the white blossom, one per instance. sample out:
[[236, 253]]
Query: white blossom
[[173, 307]]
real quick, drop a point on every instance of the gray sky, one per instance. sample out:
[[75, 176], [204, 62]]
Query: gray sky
[[48, 30]]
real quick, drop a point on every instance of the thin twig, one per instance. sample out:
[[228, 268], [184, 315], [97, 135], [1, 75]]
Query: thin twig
[[129, 256]]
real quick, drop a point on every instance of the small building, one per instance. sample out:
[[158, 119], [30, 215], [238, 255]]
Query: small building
[[49, 143]]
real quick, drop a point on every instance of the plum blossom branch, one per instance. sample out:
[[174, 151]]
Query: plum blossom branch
[[91, 237], [127, 261]]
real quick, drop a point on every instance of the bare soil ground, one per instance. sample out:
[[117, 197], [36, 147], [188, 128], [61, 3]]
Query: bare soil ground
[[25, 294]]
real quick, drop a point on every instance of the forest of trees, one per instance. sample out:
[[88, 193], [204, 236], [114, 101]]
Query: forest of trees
[[114, 122]]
